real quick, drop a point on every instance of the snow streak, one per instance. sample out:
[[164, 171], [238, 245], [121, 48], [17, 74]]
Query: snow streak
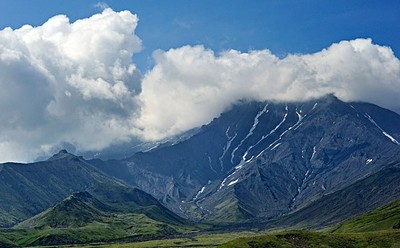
[[255, 123], [199, 193], [226, 147], [210, 164], [282, 134], [313, 153], [383, 131], [233, 182], [266, 136], [227, 178], [305, 177]]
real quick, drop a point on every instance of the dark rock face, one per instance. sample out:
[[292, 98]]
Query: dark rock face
[[265, 159]]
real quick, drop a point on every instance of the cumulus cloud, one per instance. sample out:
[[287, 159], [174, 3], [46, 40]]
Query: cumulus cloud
[[189, 86], [66, 83]]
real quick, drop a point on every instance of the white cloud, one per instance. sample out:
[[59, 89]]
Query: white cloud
[[67, 82], [74, 83], [190, 85]]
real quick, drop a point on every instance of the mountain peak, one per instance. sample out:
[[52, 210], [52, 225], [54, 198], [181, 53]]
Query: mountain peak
[[81, 195], [330, 96], [62, 154], [329, 99]]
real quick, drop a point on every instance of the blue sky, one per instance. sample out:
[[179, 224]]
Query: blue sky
[[282, 26]]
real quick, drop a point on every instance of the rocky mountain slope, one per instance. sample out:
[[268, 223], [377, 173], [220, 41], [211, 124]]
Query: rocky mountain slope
[[265, 159], [362, 196]]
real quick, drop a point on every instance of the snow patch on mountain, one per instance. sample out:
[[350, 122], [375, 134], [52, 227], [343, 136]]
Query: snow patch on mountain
[[383, 131], [233, 182]]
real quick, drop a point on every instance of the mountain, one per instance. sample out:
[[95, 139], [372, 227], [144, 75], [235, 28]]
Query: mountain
[[29, 189], [83, 218], [265, 159], [273, 165], [83, 208], [77, 210], [65, 200], [329, 147]]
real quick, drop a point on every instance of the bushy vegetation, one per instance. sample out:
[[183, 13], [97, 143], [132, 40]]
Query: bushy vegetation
[[116, 228], [310, 239]]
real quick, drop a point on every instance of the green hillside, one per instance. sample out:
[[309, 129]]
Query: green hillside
[[102, 209], [6, 243], [29, 189], [82, 218], [377, 228], [383, 218], [124, 199], [113, 228], [309, 239], [77, 210]]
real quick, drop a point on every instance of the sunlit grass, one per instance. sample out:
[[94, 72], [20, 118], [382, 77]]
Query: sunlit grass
[[200, 240]]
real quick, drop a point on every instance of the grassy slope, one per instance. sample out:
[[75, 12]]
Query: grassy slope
[[377, 228], [305, 239], [77, 210], [383, 218], [108, 210], [290, 239], [229, 211], [28, 189], [194, 240], [5, 242], [82, 218], [129, 200], [116, 228], [112, 228]]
